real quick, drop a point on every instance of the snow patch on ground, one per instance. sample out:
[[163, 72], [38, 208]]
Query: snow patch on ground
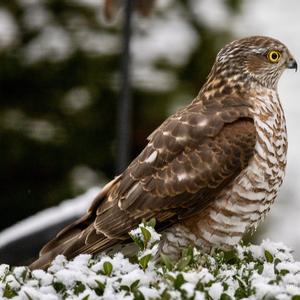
[[67, 209]]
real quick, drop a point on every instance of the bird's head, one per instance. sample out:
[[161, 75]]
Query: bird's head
[[258, 58]]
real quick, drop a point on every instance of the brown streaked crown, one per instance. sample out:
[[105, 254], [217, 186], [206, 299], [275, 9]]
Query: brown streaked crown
[[248, 60]]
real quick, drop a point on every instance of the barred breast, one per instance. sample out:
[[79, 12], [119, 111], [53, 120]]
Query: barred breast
[[246, 201]]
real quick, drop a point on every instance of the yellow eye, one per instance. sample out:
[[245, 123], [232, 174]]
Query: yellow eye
[[274, 56]]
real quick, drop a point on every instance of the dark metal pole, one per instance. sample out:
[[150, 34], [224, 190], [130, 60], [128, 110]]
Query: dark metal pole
[[125, 102]]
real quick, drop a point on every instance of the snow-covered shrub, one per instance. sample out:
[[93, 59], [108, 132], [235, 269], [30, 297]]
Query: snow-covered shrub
[[266, 271]]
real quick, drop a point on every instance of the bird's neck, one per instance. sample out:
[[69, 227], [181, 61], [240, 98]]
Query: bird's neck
[[232, 82]]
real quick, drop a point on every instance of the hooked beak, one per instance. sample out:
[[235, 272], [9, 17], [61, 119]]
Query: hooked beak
[[292, 64]]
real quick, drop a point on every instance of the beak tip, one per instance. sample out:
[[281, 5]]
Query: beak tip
[[292, 64], [295, 66]]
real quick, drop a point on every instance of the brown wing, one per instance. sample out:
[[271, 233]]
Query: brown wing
[[187, 161]]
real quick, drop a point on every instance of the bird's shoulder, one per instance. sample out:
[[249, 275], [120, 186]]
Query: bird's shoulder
[[186, 129]]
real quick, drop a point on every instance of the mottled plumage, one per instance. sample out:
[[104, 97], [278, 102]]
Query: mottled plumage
[[209, 173]]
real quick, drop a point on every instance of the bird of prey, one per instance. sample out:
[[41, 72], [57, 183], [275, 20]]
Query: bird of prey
[[209, 172]]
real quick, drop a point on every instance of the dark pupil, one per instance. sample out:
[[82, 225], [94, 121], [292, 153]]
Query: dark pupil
[[274, 56]]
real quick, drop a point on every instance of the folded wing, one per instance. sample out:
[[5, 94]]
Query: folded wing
[[186, 163]]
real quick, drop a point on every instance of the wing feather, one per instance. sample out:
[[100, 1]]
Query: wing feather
[[187, 162]]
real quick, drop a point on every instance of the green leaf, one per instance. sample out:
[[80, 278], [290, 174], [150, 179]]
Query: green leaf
[[59, 287], [200, 286], [137, 241], [179, 281], [166, 261], [28, 296], [241, 281], [107, 268], [79, 288], [8, 292], [170, 277], [188, 252], [225, 296], [165, 295], [269, 256], [147, 236], [259, 267], [225, 286], [230, 257], [296, 297], [240, 293], [100, 288], [86, 297], [138, 295], [183, 263], [145, 260], [277, 261], [125, 288], [134, 285], [151, 222], [24, 274], [283, 272]]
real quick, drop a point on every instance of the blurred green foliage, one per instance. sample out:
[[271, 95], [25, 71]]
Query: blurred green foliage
[[58, 101]]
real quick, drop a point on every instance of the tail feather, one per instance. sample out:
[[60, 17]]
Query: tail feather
[[44, 261], [78, 237], [73, 247]]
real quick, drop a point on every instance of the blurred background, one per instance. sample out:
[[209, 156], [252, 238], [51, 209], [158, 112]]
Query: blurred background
[[61, 83]]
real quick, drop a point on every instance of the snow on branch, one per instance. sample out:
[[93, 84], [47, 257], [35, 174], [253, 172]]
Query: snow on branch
[[266, 271]]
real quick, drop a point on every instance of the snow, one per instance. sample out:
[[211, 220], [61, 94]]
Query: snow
[[149, 292], [171, 39], [213, 13], [34, 128], [36, 17], [96, 42], [52, 43], [67, 209], [189, 288], [216, 290], [8, 29], [159, 80], [76, 99], [199, 296]]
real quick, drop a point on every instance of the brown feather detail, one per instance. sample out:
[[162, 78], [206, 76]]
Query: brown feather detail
[[76, 227]]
